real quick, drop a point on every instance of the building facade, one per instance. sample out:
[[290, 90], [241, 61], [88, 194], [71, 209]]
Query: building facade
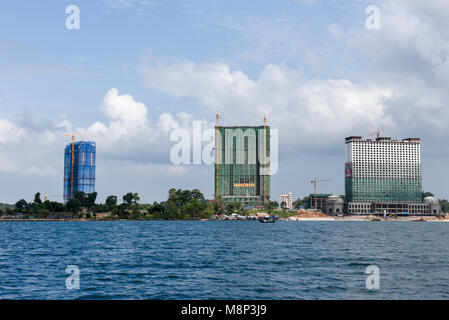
[[288, 199], [79, 168], [383, 170], [242, 164], [383, 175]]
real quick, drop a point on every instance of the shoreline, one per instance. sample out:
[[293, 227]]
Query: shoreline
[[368, 219], [290, 219]]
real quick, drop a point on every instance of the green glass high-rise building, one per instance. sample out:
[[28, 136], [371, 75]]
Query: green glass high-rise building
[[242, 164]]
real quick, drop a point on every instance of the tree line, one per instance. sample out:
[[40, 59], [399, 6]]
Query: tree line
[[180, 205]]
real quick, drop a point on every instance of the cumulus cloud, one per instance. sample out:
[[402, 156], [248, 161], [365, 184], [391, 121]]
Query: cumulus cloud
[[307, 111], [409, 54], [10, 132], [127, 117], [401, 86], [131, 148], [128, 135]]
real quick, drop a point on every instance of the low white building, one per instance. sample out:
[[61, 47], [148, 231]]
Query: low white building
[[288, 199]]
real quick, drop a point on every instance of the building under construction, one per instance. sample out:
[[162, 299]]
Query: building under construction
[[242, 164], [319, 202], [79, 168]]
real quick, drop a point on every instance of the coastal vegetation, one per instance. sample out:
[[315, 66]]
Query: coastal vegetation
[[180, 205]]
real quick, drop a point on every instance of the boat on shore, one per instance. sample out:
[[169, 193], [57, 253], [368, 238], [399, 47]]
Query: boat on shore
[[270, 219]]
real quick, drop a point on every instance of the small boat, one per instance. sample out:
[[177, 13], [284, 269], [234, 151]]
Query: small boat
[[267, 220], [420, 220]]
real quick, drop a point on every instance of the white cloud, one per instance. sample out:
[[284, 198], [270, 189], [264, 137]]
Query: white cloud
[[127, 117], [299, 106], [9, 132], [128, 136], [166, 122], [401, 85], [413, 25]]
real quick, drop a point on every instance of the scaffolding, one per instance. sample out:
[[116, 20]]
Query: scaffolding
[[242, 164], [79, 168]]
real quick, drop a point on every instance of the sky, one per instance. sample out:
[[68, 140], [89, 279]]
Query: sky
[[137, 70]]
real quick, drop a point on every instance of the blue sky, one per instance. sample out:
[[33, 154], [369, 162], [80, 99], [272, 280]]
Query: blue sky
[[312, 66]]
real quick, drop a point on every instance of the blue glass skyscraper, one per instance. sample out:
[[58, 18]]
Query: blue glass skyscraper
[[79, 168]]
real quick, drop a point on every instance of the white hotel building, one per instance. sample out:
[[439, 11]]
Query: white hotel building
[[384, 176]]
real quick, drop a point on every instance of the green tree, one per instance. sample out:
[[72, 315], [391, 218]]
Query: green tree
[[185, 197], [192, 209], [21, 204], [171, 210], [269, 207], [73, 205], [196, 194], [91, 198], [115, 212], [283, 205], [128, 198], [231, 207], [444, 205], [427, 194], [136, 198], [219, 205], [81, 197], [131, 198], [111, 201], [37, 198], [304, 202], [241, 210], [207, 211]]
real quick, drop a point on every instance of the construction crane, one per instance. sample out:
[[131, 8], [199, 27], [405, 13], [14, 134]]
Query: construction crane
[[264, 153], [73, 162], [315, 181]]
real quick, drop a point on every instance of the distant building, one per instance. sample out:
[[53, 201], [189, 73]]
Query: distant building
[[288, 199], [79, 168], [320, 200], [333, 205], [383, 170], [383, 175], [242, 172]]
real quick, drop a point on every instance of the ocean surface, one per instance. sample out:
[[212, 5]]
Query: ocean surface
[[224, 260]]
